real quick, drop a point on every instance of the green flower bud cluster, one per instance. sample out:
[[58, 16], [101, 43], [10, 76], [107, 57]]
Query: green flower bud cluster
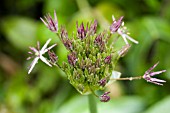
[[90, 59]]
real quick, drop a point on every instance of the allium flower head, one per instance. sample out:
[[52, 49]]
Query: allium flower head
[[38, 54], [51, 24], [90, 61], [148, 75]]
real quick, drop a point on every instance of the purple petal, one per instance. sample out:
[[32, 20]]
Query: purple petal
[[33, 49], [154, 81], [115, 25], [30, 52], [55, 19], [158, 83], [29, 58], [157, 80], [156, 73], [150, 69]]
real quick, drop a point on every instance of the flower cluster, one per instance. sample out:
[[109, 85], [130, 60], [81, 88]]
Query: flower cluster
[[91, 58]]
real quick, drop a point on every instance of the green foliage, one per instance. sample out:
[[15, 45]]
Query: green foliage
[[21, 32], [121, 105]]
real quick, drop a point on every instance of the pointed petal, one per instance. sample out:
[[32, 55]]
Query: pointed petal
[[157, 80], [124, 38], [44, 22], [33, 64], [49, 48], [38, 45], [45, 61], [33, 49], [113, 18], [29, 58], [131, 39], [29, 52], [45, 45], [157, 83], [55, 18], [150, 69], [156, 73]]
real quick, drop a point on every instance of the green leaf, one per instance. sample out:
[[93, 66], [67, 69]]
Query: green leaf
[[160, 107], [20, 31], [120, 105]]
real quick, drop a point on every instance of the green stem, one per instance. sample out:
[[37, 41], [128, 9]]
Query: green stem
[[92, 104], [129, 78]]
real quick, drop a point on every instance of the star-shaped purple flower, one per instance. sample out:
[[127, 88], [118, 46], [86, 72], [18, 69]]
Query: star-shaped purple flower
[[118, 26], [38, 54], [148, 75]]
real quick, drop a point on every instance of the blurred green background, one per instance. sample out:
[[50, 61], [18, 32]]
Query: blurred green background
[[47, 90]]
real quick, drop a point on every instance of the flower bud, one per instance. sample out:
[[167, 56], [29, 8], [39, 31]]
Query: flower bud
[[115, 25], [52, 56], [105, 97], [51, 24], [107, 60], [93, 27], [124, 50], [68, 44], [72, 59], [102, 82], [81, 31]]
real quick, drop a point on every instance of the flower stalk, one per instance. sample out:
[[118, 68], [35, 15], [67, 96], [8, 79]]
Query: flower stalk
[[92, 104]]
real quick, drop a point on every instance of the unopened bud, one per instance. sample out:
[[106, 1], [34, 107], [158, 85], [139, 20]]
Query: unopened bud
[[72, 59], [81, 31], [105, 97], [107, 60], [124, 50], [102, 82], [115, 25], [52, 56], [68, 44]]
